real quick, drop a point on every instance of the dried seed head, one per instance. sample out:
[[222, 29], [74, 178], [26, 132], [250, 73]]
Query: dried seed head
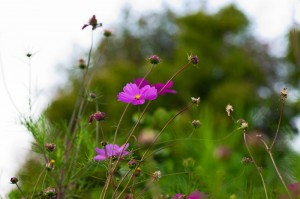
[[196, 123], [284, 93], [82, 64], [50, 146], [195, 100], [50, 192], [246, 160], [243, 123], [229, 109], [156, 175]]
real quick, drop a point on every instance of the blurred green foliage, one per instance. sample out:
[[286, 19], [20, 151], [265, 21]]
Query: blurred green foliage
[[234, 68]]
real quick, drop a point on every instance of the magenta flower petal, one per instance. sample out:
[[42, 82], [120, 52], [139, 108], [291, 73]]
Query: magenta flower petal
[[132, 94], [110, 150], [141, 82], [178, 196], [162, 88], [295, 188], [196, 195]]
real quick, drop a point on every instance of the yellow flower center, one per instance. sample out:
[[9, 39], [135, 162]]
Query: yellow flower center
[[137, 97]]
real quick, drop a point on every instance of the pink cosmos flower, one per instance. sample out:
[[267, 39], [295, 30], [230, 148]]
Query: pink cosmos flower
[[111, 150], [135, 95], [161, 88], [194, 195]]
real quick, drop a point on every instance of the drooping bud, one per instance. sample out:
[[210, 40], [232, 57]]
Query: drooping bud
[[154, 59], [14, 180]]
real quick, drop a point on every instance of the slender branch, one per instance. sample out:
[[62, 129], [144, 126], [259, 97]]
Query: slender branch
[[278, 125]]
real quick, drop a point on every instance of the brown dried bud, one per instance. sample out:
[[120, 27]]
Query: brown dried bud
[[50, 146], [14, 180], [196, 123], [246, 160]]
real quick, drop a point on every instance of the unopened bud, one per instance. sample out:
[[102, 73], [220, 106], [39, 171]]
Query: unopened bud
[[82, 64], [194, 59], [137, 172], [14, 180], [154, 59], [132, 163], [107, 33], [50, 147]]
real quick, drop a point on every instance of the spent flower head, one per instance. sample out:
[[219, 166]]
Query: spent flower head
[[82, 64], [92, 22], [229, 109], [246, 160], [195, 100], [111, 150], [284, 93], [50, 165], [196, 123], [50, 192], [98, 116], [156, 175]]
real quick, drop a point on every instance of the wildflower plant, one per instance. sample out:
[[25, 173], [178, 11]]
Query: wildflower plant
[[90, 156]]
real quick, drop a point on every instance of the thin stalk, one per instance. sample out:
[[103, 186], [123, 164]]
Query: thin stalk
[[276, 168], [121, 181], [20, 190], [256, 166], [35, 186], [167, 124], [278, 125]]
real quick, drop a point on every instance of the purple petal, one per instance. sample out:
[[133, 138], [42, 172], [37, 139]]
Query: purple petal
[[149, 93], [91, 119], [196, 195], [84, 26], [178, 196], [162, 88], [141, 82]]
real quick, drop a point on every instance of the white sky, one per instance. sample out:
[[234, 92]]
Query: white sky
[[52, 29]]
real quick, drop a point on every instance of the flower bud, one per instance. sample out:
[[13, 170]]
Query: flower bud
[[50, 147], [103, 143], [154, 59], [284, 93], [82, 64], [194, 59], [137, 171], [50, 165], [99, 116], [132, 163], [14, 180], [50, 192], [93, 95], [107, 33]]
